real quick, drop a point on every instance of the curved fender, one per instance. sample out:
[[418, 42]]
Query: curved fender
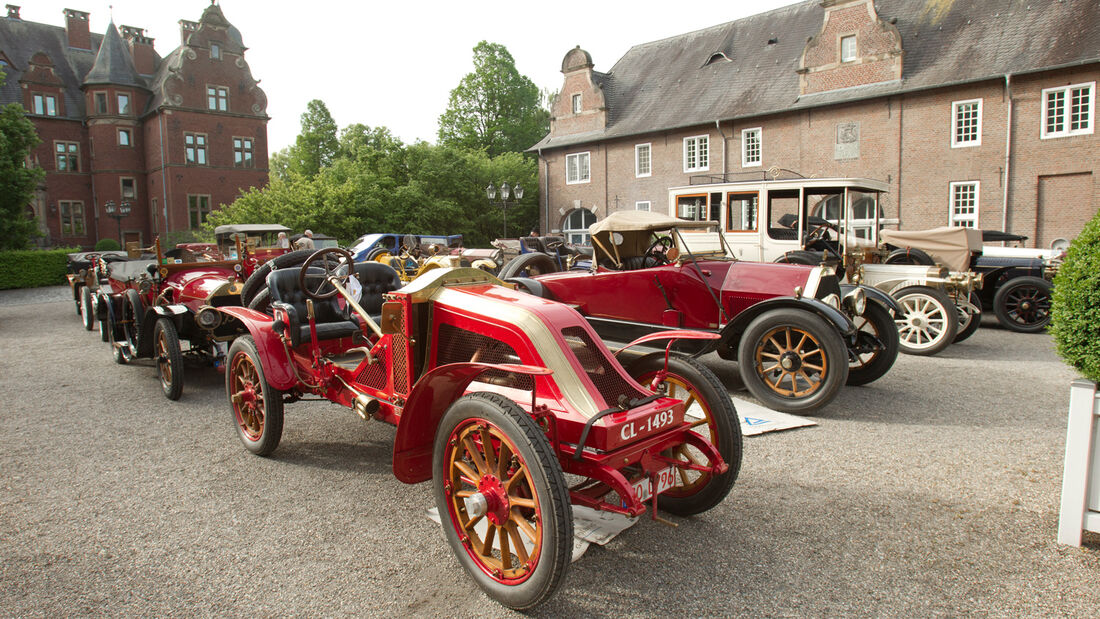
[[731, 333], [430, 398], [277, 366], [676, 334], [874, 294]]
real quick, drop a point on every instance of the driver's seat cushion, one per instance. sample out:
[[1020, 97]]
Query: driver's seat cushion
[[376, 279], [333, 322]]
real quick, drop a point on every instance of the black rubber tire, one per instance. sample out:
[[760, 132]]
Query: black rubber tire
[[377, 251], [1008, 304], [258, 279], [133, 313], [77, 290], [547, 483], [724, 426], [969, 323], [909, 255], [528, 265], [803, 256], [829, 351], [87, 308], [265, 433], [261, 302], [105, 326], [876, 319], [169, 359], [943, 305]]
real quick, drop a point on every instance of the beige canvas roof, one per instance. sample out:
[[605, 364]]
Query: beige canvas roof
[[630, 221], [948, 245]]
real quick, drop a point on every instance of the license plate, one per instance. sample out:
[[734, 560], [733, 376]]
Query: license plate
[[643, 488]]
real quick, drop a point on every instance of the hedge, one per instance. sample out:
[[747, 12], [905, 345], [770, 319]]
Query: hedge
[[1075, 313], [31, 269]]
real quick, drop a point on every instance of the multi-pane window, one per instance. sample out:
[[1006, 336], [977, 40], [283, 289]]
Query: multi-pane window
[[68, 156], [741, 210], [642, 162], [217, 98], [128, 188], [964, 204], [848, 48], [198, 207], [642, 206], [693, 208], [697, 153], [44, 105], [966, 123], [100, 103], [576, 168], [242, 152], [750, 146], [125, 138], [195, 144], [1068, 110], [577, 103], [215, 51], [72, 218], [576, 226], [123, 103]]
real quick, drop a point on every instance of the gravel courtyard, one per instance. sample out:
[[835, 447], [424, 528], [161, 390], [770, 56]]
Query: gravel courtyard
[[931, 492]]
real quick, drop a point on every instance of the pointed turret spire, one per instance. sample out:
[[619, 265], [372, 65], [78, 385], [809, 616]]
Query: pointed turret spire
[[113, 64]]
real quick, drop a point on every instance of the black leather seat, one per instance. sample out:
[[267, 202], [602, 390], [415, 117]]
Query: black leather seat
[[376, 279]]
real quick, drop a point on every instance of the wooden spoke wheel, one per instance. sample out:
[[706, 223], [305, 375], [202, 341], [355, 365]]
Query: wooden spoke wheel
[[792, 360], [502, 499], [257, 406], [169, 358], [707, 406]]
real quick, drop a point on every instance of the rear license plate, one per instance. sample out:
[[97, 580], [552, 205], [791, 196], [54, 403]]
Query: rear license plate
[[644, 488]]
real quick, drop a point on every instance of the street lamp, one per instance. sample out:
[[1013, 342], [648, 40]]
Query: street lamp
[[506, 192], [123, 212]]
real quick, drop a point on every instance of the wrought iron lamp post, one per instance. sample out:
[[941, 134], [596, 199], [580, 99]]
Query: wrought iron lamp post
[[506, 192], [118, 215]]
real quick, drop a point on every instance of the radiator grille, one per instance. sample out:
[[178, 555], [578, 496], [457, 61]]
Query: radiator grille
[[599, 368], [401, 356], [457, 345], [374, 375]]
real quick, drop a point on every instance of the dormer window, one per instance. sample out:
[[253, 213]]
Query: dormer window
[[577, 103], [717, 57], [848, 48], [215, 51]]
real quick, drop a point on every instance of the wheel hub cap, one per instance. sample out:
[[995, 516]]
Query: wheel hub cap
[[790, 361], [491, 490]]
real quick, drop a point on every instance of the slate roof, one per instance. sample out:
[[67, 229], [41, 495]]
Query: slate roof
[[113, 64], [20, 40], [667, 84]]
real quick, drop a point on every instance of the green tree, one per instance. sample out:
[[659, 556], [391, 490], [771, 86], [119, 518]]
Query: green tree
[[17, 180], [316, 146], [494, 108]]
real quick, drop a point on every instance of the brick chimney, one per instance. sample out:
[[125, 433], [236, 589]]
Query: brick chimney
[[186, 28], [141, 49], [76, 26], [13, 11]]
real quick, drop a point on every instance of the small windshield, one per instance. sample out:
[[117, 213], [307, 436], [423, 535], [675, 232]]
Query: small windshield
[[364, 242]]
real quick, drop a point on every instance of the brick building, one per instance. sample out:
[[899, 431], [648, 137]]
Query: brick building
[[173, 137], [978, 113]]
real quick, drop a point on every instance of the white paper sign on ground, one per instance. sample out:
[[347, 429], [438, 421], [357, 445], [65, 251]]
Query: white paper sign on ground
[[756, 419]]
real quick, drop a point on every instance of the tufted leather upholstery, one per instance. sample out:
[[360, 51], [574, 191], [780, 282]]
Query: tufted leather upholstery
[[377, 279]]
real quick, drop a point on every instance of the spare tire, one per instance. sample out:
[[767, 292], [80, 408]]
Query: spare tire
[[529, 264], [909, 255], [258, 279]]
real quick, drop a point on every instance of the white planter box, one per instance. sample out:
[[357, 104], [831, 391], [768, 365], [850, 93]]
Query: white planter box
[[1081, 478]]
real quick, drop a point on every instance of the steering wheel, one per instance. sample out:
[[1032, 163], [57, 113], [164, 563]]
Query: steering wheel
[[820, 233], [660, 256], [554, 245], [338, 267]]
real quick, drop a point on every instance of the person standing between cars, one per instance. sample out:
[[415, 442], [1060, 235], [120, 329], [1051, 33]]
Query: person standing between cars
[[284, 241], [306, 242]]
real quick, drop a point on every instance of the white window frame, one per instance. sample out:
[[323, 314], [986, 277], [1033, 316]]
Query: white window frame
[[639, 203], [587, 157], [215, 51], [955, 125], [745, 133], [854, 51], [1067, 92], [129, 141], [702, 158], [954, 219], [576, 101], [648, 147]]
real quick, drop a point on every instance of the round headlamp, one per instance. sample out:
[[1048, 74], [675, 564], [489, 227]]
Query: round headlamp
[[831, 300], [856, 301], [207, 318]]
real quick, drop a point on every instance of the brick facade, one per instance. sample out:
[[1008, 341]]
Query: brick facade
[[1045, 189], [133, 149]]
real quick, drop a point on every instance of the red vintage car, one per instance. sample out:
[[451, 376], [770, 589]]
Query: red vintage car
[[496, 396], [798, 334]]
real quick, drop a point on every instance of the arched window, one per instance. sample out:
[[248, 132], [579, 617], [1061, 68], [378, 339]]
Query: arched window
[[576, 225]]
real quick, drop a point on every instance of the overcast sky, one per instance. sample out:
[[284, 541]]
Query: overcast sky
[[394, 64]]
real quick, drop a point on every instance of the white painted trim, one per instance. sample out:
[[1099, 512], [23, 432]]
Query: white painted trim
[[697, 168], [649, 146], [578, 181], [648, 205], [576, 102], [1073, 514], [955, 120], [759, 131], [951, 219], [1044, 135]]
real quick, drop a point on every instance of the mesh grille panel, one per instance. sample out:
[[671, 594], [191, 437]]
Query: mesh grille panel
[[457, 345], [401, 357], [607, 380], [374, 375]]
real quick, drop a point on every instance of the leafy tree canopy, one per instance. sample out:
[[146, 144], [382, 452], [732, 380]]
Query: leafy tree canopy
[[17, 181], [495, 107], [315, 147]]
